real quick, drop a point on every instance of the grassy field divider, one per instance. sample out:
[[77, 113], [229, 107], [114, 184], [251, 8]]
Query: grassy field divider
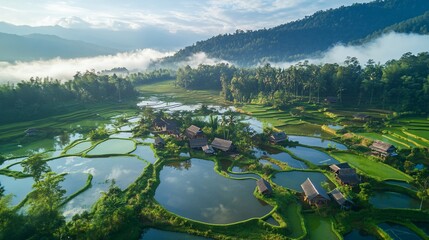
[[415, 136], [329, 130], [397, 141], [406, 139]]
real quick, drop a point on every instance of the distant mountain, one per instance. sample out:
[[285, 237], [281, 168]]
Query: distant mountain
[[38, 46], [125, 40], [308, 36]]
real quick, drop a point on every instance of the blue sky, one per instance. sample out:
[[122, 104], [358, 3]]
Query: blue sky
[[209, 17]]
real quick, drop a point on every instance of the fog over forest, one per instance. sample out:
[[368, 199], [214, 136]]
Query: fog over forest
[[387, 47]]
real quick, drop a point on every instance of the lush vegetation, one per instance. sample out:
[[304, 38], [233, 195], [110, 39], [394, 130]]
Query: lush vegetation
[[296, 39], [399, 85], [39, 97], [372, 167]]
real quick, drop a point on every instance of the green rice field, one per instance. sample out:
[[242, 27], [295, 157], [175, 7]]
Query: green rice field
[[371, 167]]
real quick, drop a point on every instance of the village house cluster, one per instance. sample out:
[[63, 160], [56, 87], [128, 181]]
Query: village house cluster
[[313, 194]]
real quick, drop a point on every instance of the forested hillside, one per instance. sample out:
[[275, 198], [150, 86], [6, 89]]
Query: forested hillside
[[419, 25], [310, 35], [39, 46], [399, 85]]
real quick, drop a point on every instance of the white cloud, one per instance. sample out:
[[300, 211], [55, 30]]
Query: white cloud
[[64, 69], [201, 58], [387, 47]]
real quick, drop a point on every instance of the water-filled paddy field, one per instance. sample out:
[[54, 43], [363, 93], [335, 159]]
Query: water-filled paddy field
[[197, 192], [193, 189]]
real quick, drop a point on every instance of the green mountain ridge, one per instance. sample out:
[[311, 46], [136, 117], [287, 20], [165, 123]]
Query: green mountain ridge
[[311, 35], [41, 47]]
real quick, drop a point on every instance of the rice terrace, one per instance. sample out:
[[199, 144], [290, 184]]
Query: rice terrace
[[261, 133]]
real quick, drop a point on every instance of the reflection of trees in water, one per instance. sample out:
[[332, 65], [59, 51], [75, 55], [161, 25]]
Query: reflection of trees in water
[[64, 138], [180, 165]]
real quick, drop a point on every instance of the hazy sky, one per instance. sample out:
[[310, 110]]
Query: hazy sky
[[201, 16]]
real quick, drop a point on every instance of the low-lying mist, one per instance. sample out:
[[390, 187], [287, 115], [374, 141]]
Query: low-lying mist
[[64, 69], [387, 47]]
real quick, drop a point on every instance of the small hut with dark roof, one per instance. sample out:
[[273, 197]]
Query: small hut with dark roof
[[345, 174], [194, 132], [344, 202], [197, 142], [382, 150], [166, 126], [314, 195], [222, 144], [264, 187], [277, 137]]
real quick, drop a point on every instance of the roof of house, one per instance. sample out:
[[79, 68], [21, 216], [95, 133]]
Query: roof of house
[[159, 140], [222, 144], [207, 148], [381, 146], [351, 179], [263, 186], [312, 191], [169, 124], [193, 129], [338, 197], [197, 142], [336, 167], [279, 136]]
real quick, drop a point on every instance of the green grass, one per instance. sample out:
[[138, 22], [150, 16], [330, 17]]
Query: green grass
[[85, 116], [180, 94], [319, 227], [371, 167], [376, 136], [294, 220]]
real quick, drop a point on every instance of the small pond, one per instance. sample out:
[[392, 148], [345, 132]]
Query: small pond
[[113, 146], [124, 170], [146, 153], [193, 189], [281, 156], [80, 147], [393, 200], [272, 221], [126, 128], [398, 232], [358, 235], [294, 179], [319, 227], [291, 162], [122, 135], [11, 161], [19, 187], [156, 234], [244, 175], [73, 182], [314, 156], [273, 165], [316, 142], [17, 168], [335, 127], [255, 124]]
